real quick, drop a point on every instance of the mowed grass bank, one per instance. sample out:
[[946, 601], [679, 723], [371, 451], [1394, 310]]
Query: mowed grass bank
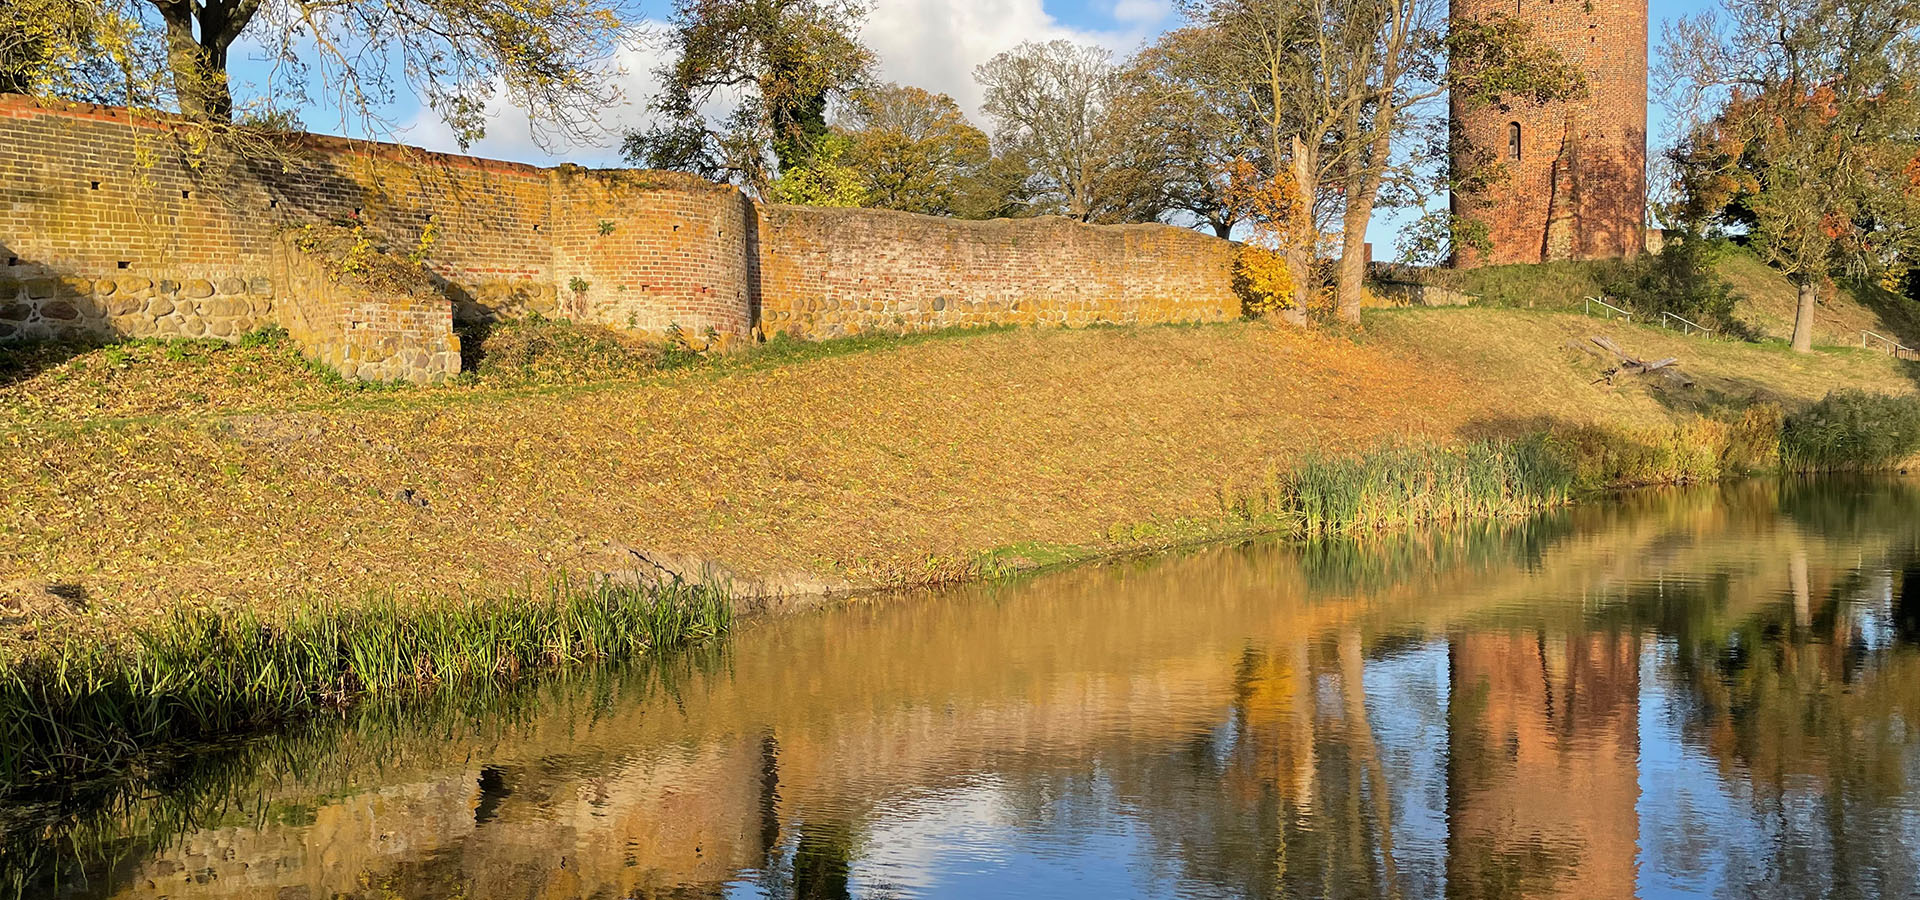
[[875, 463]]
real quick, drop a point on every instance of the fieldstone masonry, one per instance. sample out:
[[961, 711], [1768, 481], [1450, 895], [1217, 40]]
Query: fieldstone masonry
[[110, 229]]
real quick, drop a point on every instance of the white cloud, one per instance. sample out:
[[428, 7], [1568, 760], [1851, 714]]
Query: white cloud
[[935, 44], [511, 136], [931, 44]]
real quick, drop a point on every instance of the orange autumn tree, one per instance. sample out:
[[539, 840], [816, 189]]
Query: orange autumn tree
[[1809, 123], [1271, 208]]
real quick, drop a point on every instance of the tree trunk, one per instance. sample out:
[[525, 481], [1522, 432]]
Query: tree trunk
[[1362, 189], [1301, 242], [1803, 316], [199, 65], [1351, 288]]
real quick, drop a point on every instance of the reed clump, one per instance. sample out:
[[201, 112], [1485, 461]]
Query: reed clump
[[1691, 451], [1398, 486], [79, 705], [1852, 430]]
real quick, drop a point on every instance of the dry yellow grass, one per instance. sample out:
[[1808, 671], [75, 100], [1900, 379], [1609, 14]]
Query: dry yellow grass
[[869, 467]]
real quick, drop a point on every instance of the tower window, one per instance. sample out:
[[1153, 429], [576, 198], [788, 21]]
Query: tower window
[[1513, 140]]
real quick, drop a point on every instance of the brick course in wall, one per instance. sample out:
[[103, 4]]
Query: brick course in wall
[[1578, 189], [112, 229]]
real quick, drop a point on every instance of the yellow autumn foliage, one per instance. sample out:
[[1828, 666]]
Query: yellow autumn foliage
[[1264, 279]]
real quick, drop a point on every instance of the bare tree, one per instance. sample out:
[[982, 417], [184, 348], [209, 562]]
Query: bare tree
[[551, 58], [1342, 91], [1059, 108]]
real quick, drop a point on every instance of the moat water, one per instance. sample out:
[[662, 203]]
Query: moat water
[[1705, 692]]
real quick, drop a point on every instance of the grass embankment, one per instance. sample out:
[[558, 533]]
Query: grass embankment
[[1764, 308], [161, 493]]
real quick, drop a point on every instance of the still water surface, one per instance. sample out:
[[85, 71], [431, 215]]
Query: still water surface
[[1688, 693]]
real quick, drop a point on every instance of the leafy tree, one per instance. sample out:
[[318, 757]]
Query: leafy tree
[[911, 149], [1680, 279], [781, 62], [1336, 89], [1060, 109], [1190, 109], [1810, 113], [89, 50], [824, 180]]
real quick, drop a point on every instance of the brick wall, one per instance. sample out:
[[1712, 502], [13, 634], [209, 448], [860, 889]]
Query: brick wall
[[828, 272], [138, 239], [112, 229], [653, 250], [1578, 189]]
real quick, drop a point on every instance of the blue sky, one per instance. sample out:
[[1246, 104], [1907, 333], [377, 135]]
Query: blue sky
[[932, 44]]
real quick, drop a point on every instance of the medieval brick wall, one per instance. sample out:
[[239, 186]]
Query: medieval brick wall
[[652, 250], [169, 246], [829, 272], [113, 229], [1577, 188]]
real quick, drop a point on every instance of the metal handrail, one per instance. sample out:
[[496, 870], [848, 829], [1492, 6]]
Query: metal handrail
[[1894, 347], [1688, 326], [1617, 310]]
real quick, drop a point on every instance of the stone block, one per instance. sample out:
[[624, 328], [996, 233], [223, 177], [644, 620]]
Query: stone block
[[159, 306], [232, 285], [131, 325], [134, 284], [9, 289], [15, 312], [42, 288], [221, 328], [261, 307], [59, 311], [167, 286], [75, 286], [260, 287], [123, 304], [197, 288], [105, 287], [193, 326]]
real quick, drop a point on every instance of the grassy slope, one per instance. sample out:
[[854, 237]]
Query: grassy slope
[[235, 473], [1766, 300]]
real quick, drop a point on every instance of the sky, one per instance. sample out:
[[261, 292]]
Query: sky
[[932, 44]]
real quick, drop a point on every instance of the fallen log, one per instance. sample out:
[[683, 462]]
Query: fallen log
[[1628, 364]]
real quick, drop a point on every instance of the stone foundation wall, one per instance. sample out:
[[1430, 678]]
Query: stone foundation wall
[[135, 306]]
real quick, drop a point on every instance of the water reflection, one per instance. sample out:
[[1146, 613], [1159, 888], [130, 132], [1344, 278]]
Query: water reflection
[[1699, 692]]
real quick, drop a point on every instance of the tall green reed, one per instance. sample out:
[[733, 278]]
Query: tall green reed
[[79, 705], [1398, 486]]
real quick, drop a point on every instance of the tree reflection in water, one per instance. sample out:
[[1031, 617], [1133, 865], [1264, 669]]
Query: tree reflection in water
[[1702, 691]]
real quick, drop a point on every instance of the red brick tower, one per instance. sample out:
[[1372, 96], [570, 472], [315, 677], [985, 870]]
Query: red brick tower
[[1576, 185]]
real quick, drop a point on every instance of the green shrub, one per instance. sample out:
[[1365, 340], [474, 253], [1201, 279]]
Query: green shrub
[[1680, 279], [1852, 430]]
